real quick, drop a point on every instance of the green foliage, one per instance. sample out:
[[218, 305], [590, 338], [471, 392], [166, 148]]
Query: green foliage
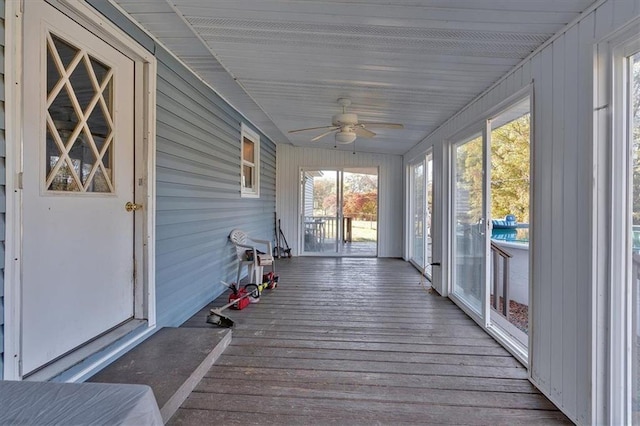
[[469, 180], [510, 171]]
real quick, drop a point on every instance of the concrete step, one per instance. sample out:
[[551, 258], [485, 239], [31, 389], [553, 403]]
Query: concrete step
[[171, 362]]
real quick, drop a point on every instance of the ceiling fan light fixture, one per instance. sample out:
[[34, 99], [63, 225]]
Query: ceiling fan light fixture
[[347, 126], [345, 137]]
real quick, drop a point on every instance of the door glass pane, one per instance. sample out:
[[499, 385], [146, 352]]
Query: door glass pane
[[359, 212], [428, 215], [417, 215], [468, 224], [100, 70], [79, 140], [320, 211], [510, 189], [100, 129], [83, 90], [64, 51], [339, 211], [635, 220], [83, 157]]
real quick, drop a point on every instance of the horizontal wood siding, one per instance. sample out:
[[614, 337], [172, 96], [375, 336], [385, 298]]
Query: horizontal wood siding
[[562, 217], [291, 159], [198, 185], [2, 186]]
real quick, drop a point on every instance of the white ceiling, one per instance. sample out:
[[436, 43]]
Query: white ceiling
[[284, 63]]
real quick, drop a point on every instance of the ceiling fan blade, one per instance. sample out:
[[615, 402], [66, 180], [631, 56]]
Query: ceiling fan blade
[[324, 134], [313, 128], [364, 133], [382, 125]]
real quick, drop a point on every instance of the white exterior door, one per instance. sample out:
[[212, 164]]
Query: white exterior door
[[78, 173]]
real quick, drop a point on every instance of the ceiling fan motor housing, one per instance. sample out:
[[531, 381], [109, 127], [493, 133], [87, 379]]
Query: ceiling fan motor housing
[[343, 119]]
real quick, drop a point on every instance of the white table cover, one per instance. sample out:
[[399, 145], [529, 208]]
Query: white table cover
[[47, 403]]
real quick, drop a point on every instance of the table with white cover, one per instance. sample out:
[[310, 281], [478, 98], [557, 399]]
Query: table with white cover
[[47, 403]]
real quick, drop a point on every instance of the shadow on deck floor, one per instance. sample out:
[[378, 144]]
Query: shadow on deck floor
[[360, 341]]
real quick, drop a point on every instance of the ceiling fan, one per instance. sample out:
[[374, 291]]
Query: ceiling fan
[[347, 127]]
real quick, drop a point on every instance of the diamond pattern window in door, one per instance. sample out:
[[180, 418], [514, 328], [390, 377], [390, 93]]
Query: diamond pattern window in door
[[80, 126]]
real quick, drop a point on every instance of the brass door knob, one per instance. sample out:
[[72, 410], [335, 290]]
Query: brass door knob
[[131, 207]]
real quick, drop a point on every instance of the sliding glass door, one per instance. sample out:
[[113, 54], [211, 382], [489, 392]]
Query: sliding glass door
[[510, 197], [490, 229], [469, 225], [320, 211], [633, 218], [417, 207], [421, 208], [429, 214], [619, 240], [625, 276], [339, 212]]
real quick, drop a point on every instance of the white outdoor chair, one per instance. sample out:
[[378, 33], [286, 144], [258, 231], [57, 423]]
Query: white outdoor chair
[[255, 262]]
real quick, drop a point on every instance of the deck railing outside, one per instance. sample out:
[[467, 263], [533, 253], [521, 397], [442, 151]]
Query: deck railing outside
[[635, 282], [320, 230], [500, 255]]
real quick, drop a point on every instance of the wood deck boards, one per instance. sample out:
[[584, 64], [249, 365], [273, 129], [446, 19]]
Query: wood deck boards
[[359, 341], [355, 249]]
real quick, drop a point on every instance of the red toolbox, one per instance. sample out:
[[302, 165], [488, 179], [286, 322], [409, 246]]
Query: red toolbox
[[241, 304]]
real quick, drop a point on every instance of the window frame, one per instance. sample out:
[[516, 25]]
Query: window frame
[[411, 167], [254, 190], [612, 132], [483, 127]]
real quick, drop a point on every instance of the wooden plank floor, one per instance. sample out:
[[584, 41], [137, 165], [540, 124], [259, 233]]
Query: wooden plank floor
[[356, 249], [360, 341]]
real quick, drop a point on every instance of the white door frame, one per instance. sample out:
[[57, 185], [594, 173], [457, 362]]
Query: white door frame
[[340, 170], [410, 210], [613, 288], [483, 126], [470, 132], [144, 251]]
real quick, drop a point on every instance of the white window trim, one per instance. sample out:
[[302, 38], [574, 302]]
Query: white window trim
[[410, 208], [425, 268], [613, 292], [246, 132]]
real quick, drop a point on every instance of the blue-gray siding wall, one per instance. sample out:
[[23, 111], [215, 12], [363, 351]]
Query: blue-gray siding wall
[[2, 188], [198, 185], [198, 194]]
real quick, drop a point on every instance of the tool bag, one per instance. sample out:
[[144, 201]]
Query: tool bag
[[264, 259], [270, 279]]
